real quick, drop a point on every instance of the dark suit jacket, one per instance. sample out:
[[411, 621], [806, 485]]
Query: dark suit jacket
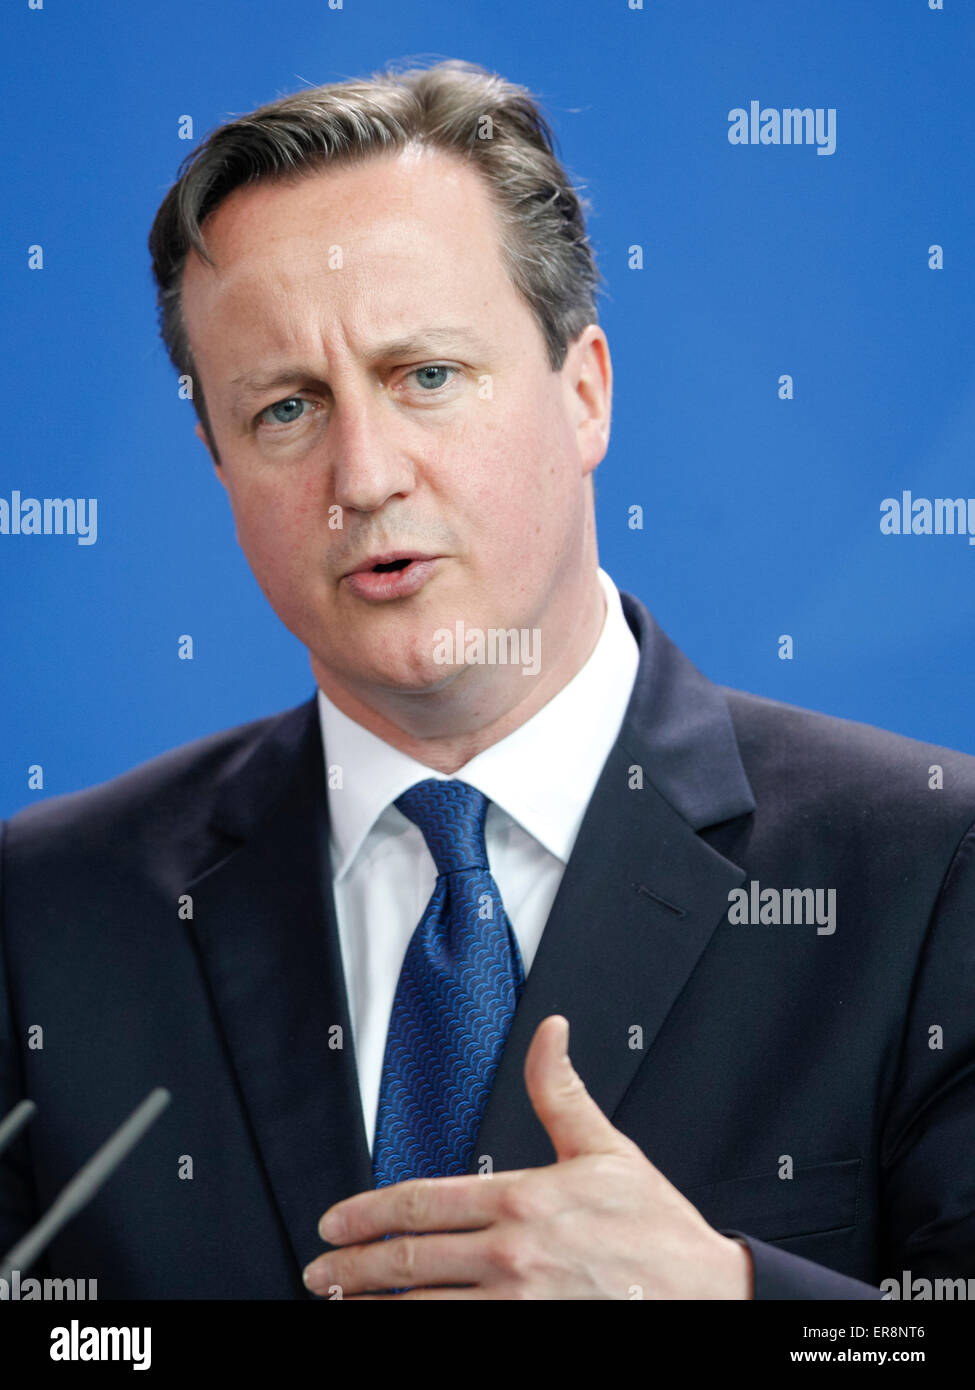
[[756, 1046]]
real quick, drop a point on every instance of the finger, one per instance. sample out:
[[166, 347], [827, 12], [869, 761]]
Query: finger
[[572, 1119], [465, 1203], [401, 1263]]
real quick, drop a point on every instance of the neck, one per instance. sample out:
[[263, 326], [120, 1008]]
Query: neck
[[448, 727]]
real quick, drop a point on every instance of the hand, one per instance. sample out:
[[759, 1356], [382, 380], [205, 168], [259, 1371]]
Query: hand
[[601, 1222]]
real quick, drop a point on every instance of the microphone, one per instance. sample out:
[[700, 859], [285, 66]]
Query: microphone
[[15, 1121], [87, 1181]]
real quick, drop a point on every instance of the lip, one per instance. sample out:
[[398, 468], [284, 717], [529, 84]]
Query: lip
[[391, 584], [387, 557]]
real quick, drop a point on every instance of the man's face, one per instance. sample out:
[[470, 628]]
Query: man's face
[[377, 387]]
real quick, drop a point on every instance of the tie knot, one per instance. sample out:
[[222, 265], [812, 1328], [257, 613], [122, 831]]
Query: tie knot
[[451, 816]]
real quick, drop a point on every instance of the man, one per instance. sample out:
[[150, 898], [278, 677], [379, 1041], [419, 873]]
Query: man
[[354, 940]]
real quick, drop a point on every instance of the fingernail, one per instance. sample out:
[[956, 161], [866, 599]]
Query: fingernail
[[330, 1226]]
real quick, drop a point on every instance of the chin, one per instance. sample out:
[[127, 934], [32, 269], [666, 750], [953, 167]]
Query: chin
[[414, 679], [406, 672]]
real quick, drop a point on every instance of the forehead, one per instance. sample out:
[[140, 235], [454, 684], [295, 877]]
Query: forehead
[[375, 243]]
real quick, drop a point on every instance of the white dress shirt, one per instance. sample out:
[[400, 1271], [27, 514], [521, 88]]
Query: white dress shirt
[[539, 780]]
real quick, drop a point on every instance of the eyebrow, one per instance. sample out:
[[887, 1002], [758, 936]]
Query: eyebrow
[[418, 343]]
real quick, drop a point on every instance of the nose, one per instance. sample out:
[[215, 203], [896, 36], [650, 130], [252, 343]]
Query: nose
[[369, 464]]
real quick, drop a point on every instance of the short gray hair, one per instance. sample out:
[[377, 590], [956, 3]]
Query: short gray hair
[[453, 106]]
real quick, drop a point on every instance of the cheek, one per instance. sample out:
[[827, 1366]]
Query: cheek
[[500, 451], [515, 488], [274, 526]]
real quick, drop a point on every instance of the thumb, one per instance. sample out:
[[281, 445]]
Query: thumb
[[572, 1119]]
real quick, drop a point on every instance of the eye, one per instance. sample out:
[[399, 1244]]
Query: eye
[[284, 412], [432, 376]]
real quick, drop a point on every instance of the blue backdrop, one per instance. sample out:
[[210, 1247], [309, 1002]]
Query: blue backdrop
[[761, 514]]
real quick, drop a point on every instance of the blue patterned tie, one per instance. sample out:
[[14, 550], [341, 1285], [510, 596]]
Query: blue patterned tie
[[460, 982]]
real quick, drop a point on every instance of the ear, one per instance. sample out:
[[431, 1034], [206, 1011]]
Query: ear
[[588, 378]]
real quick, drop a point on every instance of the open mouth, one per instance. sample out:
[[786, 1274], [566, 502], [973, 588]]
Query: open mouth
[[390, 566], [400, 576]]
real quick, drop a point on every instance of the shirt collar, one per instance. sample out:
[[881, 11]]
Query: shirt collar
[[542, 774]]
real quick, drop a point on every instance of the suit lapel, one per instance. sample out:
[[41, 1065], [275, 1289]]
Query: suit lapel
[[264, 920], [640, 898]]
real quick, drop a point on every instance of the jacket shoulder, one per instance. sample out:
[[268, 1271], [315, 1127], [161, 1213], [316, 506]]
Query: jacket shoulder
[[174, 789], [826, 759]]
